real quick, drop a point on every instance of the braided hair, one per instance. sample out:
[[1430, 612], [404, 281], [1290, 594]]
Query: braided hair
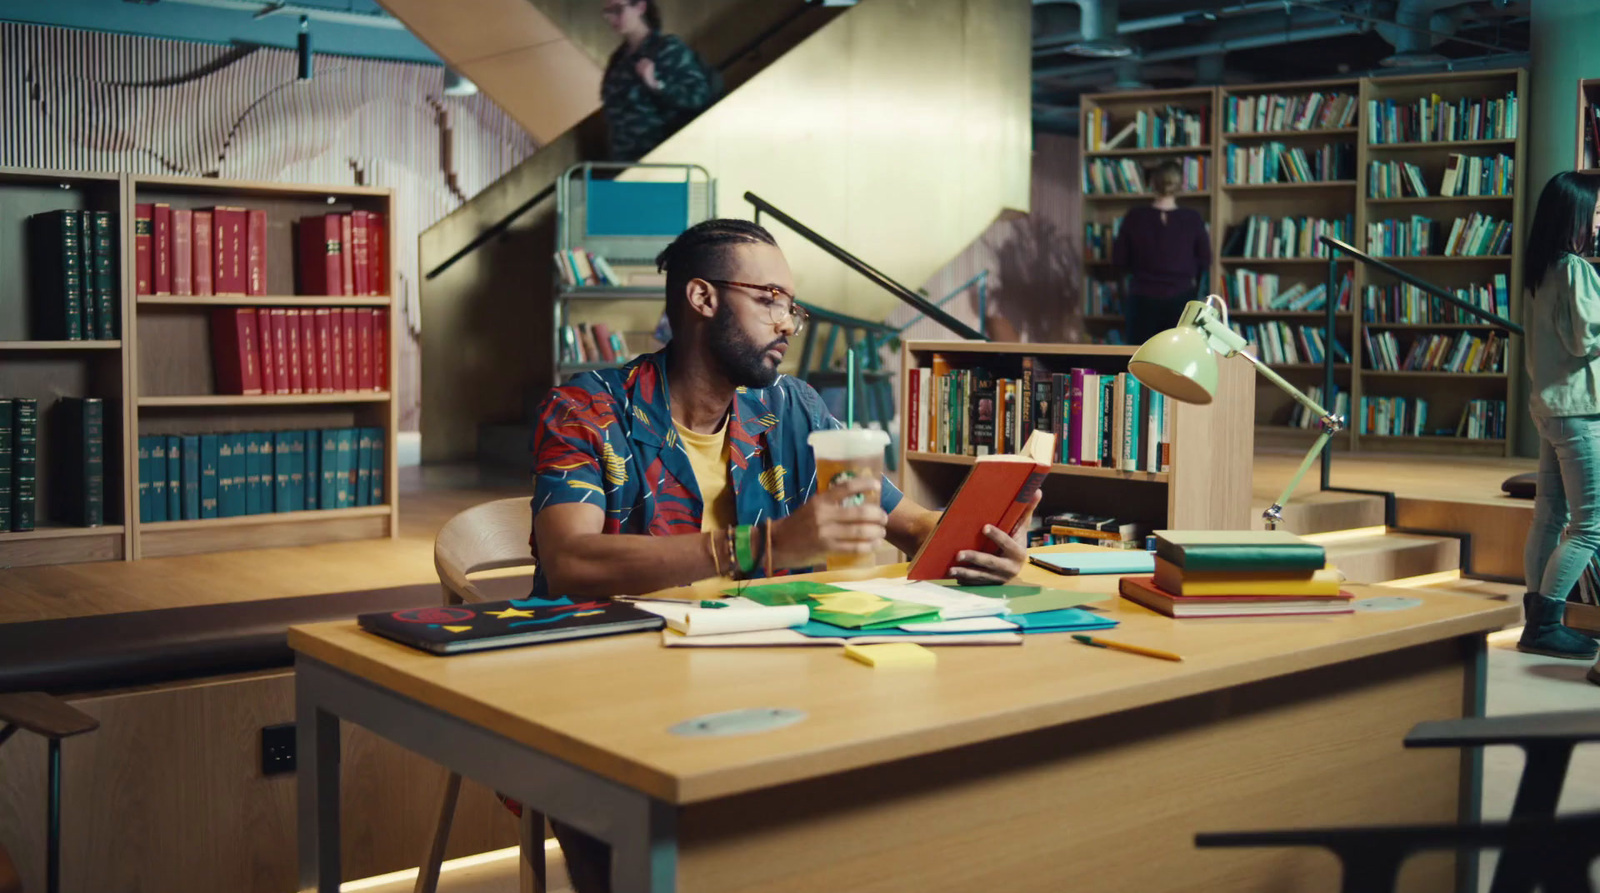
[[702, 251]]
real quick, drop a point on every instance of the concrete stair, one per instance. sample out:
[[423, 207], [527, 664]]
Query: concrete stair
[[1326, 512], [1377, 555]]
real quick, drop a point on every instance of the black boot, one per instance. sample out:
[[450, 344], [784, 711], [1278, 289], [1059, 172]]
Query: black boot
[[1542, 632]]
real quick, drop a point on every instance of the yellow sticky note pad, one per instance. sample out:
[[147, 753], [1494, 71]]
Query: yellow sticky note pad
[[892, 654]]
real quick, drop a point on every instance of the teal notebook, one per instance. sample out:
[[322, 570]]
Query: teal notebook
[[1110, 561]]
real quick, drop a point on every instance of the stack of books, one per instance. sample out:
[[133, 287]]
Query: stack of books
[[1237, 573], [71, 262], [300, 350]]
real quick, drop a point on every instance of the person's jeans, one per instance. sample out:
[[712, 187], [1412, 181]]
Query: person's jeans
[[1147, 317], [1566, 509]]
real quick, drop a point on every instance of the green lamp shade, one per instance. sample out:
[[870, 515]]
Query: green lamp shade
[[1178, 363]]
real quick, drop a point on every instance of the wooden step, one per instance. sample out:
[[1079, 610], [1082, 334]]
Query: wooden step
[[1326, 511], [1379, 556]]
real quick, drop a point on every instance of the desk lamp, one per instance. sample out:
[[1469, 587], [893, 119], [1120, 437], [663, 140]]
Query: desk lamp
[[1182, 364]]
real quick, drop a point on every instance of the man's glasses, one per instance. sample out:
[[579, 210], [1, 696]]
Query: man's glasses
[[781, 305]]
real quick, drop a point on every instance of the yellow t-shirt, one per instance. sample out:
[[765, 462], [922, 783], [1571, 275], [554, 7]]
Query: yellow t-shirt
[[708, 456]]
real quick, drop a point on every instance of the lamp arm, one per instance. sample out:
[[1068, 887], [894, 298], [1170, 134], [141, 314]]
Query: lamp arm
[[1286, 387], [1330, 424]]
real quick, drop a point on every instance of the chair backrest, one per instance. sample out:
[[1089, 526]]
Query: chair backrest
[[484, 537]]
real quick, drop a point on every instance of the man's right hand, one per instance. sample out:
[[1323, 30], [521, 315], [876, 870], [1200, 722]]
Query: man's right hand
[[830, 523]]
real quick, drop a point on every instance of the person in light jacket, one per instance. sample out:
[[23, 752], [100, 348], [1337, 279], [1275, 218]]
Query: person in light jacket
[[1561, 319]]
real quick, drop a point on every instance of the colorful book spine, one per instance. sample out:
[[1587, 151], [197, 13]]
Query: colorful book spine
[[161, 249], [256, 246], [204, 260], [143, 232], [182, 251]]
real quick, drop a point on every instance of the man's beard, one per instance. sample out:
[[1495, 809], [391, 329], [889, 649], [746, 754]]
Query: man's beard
[[741, 360]]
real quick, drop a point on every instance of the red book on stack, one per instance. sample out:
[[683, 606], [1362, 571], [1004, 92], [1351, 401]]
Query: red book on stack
[[233, 350], [319, 264], [998, 491], [347, 255], [161, 249], [280, 346], [326, 382], [380, 349], [292, 327], [143, 232], [359, 250], [203, 258], [1144, 591], [378, 267], [364, 349], [266, 352], [308, 351], [336, 345], [256, 242], [182, 251], [227, 250], [351, 349]]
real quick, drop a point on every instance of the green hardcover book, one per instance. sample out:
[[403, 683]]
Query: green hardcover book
[[1201, 551], [55, 261], [328, 461], [7, 419], [297, 471], [78, 489], [363, 466], [174, 478], [210, 456], [313, 469], [344, 477], [241, 472], [253, 503], [24, 463], [144, 480], [281, 473], [230, 476], [191, 477], [102, 278], [379, 464], [86, 273], [158, 478]]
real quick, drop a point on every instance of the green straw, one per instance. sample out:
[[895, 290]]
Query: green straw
[[849, 388]]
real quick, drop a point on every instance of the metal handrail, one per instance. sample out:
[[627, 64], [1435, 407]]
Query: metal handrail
[[981, 281], [927, 307], [1331, 306]]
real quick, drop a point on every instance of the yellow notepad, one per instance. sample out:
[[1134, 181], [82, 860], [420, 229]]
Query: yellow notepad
[[892, 654]]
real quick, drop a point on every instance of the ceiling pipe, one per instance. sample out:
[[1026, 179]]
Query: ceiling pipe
[[1226, 45], [1097, 27], [1054, 42], [1418, 26], [265, 8]]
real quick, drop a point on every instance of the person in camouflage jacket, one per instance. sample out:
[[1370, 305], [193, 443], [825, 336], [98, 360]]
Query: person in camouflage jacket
[[653, 84]]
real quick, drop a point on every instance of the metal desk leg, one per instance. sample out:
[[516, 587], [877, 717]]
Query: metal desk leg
[[644, 858], [317, 743]]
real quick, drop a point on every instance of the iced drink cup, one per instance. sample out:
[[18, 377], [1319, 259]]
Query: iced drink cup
[[843, 454]]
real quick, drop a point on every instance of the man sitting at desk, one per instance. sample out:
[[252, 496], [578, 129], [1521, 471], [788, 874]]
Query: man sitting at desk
[[688, 462]]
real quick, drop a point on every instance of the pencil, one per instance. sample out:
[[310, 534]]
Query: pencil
[[1123, 646]]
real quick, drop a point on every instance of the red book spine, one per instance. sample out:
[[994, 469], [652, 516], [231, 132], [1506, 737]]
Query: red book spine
[[336, 352], [280, 347], [203, 259], [219, 250], [161, 250], [265, 353], [993, 493], [364, 369], [182, 251], [256, 238], [320, 267], [326, 383], [233, 350], [913, 388], [380, 349], [358, 250], [351, 350], [347, 269], [292, 326], [377, 266], [308, 350], [142, 226], [236, 251]]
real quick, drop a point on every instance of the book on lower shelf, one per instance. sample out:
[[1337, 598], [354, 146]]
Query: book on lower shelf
[[19, 461], [1406, 304], [1461, 352], [1125, 176], [1097, 419], [1275, 162], [1434, 119], [1278, 113], [1154, 128], [1302, 417], [1099, 237], [1482, 419], [1249, 290], [1476, 235], [199, 476], [299, 350], [593, 343], [1279, 343], [1263, 237], [78, 461]]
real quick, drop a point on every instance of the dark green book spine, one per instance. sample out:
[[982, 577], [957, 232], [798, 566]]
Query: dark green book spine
[[1244, 558], [145, 514], [378, 465], [344, 477], [210, 456], [102, 279], [24, 464], [252, 475], [174, 478], [7, 419], [328, 462], [191, 477], [86, 273], [79, 468], [281, 474], [226, 465], [55, 253], [363, 466], [158, 478], [313, 469], [297, 471]]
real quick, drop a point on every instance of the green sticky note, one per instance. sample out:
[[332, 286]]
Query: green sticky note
[[797, 592], [1053, 600]]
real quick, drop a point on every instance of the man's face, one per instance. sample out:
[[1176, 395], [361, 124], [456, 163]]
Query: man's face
[[750, 330]]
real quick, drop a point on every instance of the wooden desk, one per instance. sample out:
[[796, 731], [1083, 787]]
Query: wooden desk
[[1005, 768]]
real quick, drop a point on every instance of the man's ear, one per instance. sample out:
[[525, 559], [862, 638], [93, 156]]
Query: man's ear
[[702, 298]]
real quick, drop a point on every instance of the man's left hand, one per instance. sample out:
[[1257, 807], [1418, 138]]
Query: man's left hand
[[983, 569]]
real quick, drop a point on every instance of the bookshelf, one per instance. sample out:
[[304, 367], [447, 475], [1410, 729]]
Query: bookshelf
[[1207, 484], [1349, 195], [1587, 158], [173, 370]]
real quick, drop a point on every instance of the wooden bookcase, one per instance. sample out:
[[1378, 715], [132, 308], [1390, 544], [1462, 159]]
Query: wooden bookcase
[[157, 376], [1207, 487], [1586, 159], [1228, 204]]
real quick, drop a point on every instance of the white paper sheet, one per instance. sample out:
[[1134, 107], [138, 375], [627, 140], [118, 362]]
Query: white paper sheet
[[717, 621], [786, 637], [952, 604]]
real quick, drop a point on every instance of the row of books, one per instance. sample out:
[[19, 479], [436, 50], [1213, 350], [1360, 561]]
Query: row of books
[[1248, 290], [77, 462], [1477, 235], [1278, 343], [1438, 352], [579, 266], [1106, 420], [1273, 112], [194, 476], [1434, 119], [1260, 236], [1276, 163], [1238, 573], [1408, 417], [222, 250], [1589, 126], [1301, 417], [1169, 127], [300, 350], [1056, 527], [1461, 176], [1103, 298], [72, 263], [1120, 176], [592, 343], [1403, 303], [1099, 237]]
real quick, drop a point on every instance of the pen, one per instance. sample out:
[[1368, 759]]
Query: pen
[[1123, 646]]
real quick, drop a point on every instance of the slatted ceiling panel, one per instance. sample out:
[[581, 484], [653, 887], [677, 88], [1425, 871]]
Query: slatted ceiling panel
[[80, 100]]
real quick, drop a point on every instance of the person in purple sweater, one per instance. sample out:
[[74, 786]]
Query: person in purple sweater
[[1165, 251]]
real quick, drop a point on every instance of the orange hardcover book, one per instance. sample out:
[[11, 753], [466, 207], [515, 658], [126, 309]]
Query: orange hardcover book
[[997, 491], [1144, 591], [1209, 584]]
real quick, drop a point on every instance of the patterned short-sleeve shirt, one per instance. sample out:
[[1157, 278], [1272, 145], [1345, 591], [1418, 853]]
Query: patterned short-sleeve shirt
[[606, 438]]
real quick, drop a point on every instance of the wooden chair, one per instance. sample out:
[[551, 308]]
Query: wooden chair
[[485, 537], [52, 719]]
